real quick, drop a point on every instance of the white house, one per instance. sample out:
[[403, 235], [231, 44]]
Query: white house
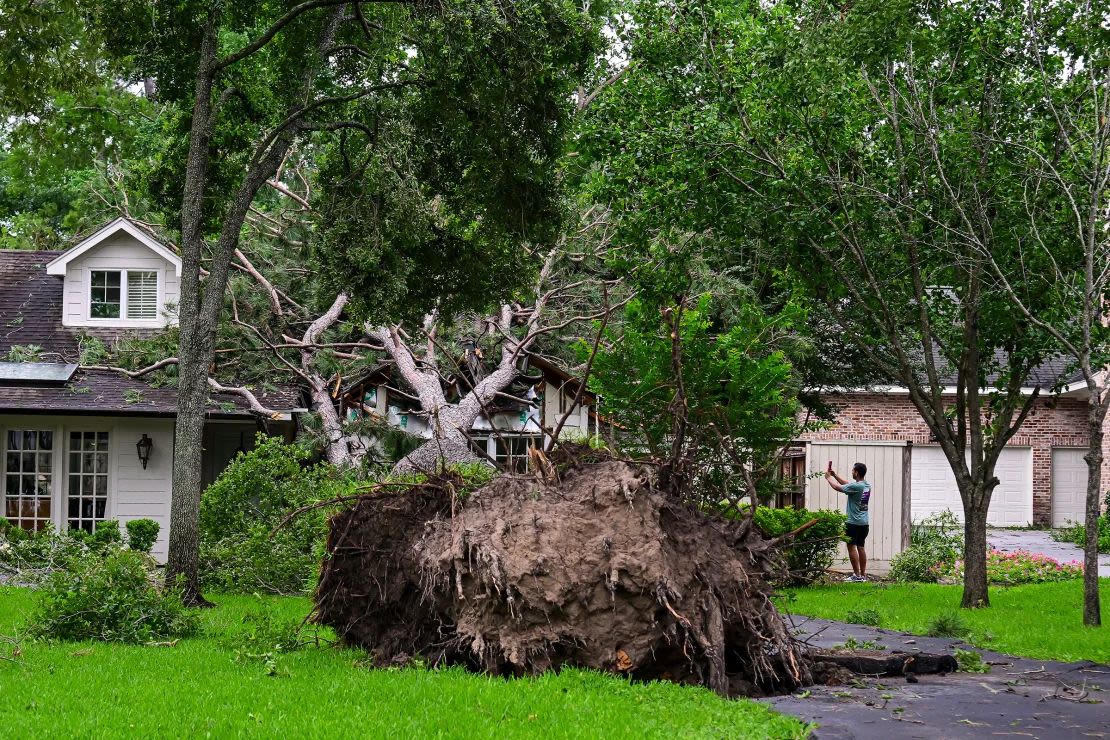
[[525, 415], [80, 446]]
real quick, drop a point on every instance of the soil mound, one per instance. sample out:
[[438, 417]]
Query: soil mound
[[600, 569]]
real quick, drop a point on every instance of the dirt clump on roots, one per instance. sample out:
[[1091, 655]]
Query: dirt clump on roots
[[600, 569]]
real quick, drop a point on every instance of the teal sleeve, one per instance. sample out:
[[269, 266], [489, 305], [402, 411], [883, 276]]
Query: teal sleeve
[[853, 487]]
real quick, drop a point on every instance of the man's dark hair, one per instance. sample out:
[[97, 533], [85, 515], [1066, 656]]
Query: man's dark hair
[[861, 469]]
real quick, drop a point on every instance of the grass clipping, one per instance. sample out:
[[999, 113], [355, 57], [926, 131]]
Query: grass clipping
[[600, 569]]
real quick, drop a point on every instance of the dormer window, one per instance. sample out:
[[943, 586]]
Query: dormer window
[[108, 298]]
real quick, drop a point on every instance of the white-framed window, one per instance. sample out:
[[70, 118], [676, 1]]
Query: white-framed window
[[87, 501], [117, 294], [28, 471], [511, 452]]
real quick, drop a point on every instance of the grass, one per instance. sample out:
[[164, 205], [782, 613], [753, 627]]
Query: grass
[[197, 688], [1036, 621]]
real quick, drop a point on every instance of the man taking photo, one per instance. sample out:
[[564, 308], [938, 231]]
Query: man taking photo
[[859, 494]]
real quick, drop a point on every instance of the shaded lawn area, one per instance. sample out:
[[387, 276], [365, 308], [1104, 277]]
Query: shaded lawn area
[[1043, 620], [198, 688]]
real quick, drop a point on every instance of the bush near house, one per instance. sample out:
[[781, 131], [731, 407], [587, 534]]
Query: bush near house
[[111, 596], [935, 541], [813, 550], [33, 555], [1077, 534], [244, 545], [1013, 569], [142, 534]]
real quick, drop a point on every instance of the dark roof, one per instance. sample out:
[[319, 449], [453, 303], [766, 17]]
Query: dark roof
[[108, 392], [1054, 371], [31, 314], [382, 373], [31, 309]]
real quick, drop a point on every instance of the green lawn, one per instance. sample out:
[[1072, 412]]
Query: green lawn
[[196, 688], [1035, 621]]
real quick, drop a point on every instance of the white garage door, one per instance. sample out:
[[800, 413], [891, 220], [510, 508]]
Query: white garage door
[[1069, 486], [933, 487]]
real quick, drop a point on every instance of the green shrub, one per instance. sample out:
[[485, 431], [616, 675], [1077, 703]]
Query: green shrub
[[142, 534], [1077, 534], [935, 541], [105, 535], [1014, 569], [112, 598], [948, 625], [239, 513], [812, 551]]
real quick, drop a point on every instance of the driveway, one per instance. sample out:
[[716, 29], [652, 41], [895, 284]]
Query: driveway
[[1018, 698], [1040, 541]]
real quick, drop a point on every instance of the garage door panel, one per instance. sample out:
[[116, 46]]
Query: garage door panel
[[1069, 486], [933, 487]]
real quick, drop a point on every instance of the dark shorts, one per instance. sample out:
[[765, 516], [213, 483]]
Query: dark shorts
[[857, 533]]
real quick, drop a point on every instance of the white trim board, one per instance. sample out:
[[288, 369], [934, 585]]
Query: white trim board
[[58, 265]]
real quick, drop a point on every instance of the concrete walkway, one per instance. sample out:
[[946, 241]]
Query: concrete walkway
[[1019, 697], [1040, 541]]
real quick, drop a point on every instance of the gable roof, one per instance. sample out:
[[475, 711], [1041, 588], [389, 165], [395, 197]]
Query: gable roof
[[58, 265]]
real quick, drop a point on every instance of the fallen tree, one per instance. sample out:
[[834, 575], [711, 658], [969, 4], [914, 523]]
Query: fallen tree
[[599, 567]]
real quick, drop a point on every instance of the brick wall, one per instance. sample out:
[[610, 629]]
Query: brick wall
[[1052, 423]]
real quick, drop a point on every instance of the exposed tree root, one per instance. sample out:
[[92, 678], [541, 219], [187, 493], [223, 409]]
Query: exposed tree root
[[597, 569]]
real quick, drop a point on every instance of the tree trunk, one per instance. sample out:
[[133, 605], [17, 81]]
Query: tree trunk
[[975, 553], [336, 447], [1092, 616], [184, 540], [192, 392], [449, 447]]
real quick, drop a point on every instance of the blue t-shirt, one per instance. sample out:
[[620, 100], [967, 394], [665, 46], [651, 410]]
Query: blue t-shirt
[[859, 494]]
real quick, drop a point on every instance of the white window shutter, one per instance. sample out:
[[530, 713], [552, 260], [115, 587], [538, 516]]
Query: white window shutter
[[142, 294]]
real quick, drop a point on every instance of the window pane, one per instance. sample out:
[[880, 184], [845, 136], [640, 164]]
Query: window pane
[[104, 294], [142, 295], [88, 479], [46, 440]]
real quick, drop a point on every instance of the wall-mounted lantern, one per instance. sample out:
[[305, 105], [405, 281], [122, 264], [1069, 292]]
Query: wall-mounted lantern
[[144, 447]]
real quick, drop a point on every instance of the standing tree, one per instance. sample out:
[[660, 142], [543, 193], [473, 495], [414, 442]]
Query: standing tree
[[459, 103], [1064, 152], [787, 136]]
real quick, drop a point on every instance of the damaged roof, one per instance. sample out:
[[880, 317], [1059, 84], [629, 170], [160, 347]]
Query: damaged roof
[[31, 314]]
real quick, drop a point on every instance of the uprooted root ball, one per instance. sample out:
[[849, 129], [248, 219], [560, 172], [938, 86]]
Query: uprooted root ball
[[599, 570]]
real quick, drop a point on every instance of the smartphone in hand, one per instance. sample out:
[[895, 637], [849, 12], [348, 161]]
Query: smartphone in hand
[[829, 469]]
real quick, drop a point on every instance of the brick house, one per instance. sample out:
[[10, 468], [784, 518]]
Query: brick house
[[1042, 474]]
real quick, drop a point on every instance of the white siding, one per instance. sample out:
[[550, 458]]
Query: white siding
[[139, 493], [120, 252], [889, 526], [133, 493]]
